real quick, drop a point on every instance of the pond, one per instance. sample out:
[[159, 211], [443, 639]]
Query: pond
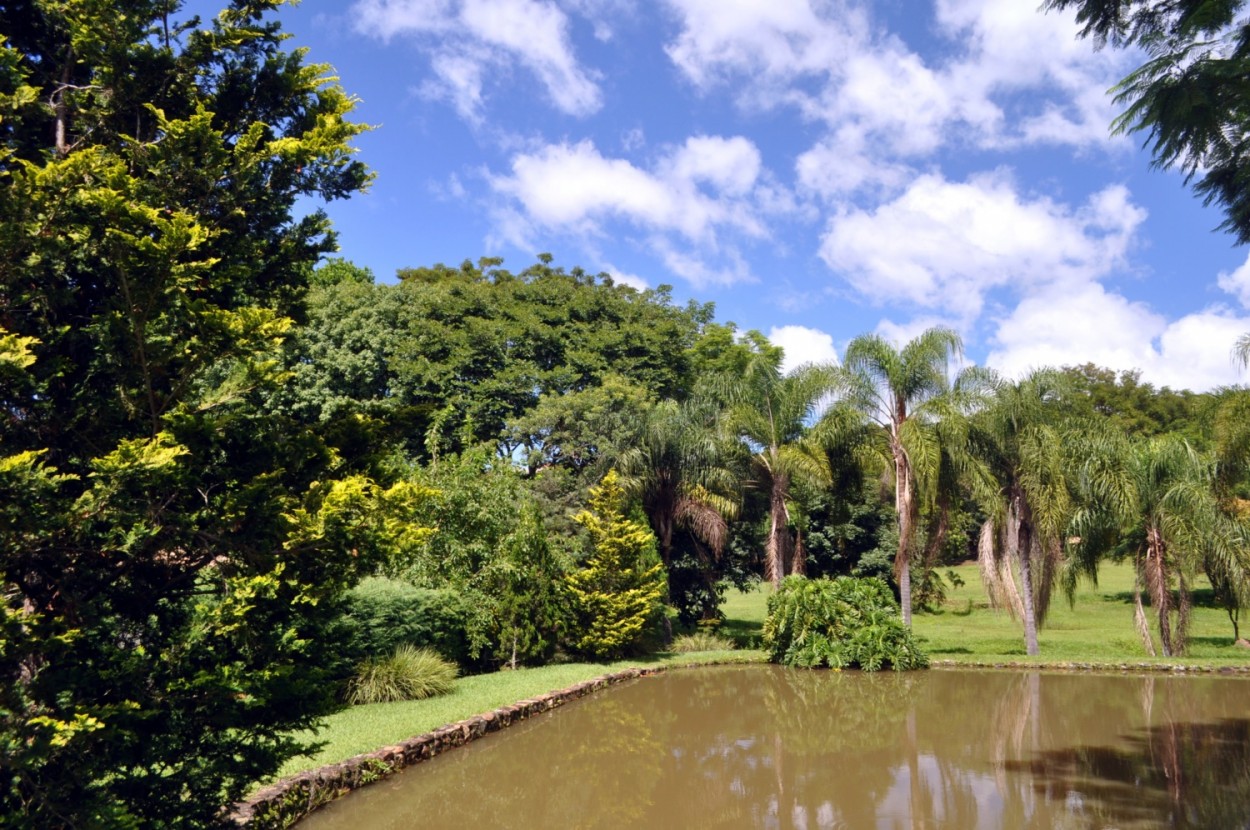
[[754, 746]]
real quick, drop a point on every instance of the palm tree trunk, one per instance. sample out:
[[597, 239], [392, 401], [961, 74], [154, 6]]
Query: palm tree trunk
[[1139, 613], [1157, 585], [903, 505], [1024, 551], [777, 550]]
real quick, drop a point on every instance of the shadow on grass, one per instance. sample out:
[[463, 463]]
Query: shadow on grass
[[1201, 598], [745, 633]]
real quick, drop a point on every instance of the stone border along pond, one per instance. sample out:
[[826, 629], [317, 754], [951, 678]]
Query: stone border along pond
[[285, 802]]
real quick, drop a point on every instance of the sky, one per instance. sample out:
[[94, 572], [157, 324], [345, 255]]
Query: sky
[[818, 170]]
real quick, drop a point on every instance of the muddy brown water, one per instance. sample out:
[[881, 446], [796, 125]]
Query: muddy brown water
[[765, 747]]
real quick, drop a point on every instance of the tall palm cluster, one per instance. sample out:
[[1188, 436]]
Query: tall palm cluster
[[1052, 492]]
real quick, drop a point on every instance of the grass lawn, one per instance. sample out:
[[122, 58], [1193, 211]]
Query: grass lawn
[[365, 728], [1098, 627]]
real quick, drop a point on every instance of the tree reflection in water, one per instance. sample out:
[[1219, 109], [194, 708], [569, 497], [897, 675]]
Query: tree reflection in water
[[1176, 775]]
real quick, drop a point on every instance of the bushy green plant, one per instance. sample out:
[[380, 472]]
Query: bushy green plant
[[408, 673], [839, 623], [617, 591], [383, 614], [701, 641]]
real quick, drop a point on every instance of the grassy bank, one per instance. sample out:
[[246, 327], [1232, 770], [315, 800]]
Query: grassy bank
[[364, 728]]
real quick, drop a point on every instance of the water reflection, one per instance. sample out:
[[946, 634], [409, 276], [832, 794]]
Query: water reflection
[[765, 747], [1178, 775]]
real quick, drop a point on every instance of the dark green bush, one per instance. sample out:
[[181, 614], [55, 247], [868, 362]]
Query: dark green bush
[[382, 614], [840, 623]]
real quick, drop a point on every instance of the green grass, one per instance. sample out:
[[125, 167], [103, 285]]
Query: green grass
[[1097, 628], [365, 728]]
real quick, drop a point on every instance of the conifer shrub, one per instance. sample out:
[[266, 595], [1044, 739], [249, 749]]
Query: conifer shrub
[[839, 623], [408, 673], [615, 596]]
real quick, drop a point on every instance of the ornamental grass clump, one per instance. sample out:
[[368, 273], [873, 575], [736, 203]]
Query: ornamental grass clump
[[409, 673], [839, 623], [701, 641]]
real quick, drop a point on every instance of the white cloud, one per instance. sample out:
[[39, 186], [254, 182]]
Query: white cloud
[[1067, 326], [943, 245], [625, 278], [1010, 76], [775, 41], [803, 345], [900, 334], [691, 201], [1237, 283], [470, 40]]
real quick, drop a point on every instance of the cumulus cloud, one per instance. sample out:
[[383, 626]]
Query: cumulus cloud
[[1237, 283], [471, 40], [803, 345], [943, 245], [689, 202], [1070, 326], [1009, 77]]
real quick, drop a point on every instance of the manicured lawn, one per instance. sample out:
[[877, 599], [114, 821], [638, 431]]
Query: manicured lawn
[[1097, 628], [364, 728]]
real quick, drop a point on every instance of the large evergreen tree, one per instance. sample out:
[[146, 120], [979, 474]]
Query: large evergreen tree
[[169, 553]]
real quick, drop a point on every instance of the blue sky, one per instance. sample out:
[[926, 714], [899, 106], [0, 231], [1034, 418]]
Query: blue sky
[[817, 169]]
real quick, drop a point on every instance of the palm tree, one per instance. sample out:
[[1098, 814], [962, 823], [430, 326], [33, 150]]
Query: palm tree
[[904, 392], [1241, 350], [1022, 443], [1172, 524], [769, 413], [678, 468]]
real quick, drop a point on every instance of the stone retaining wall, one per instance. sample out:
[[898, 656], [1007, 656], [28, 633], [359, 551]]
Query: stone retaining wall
[[282, 804]]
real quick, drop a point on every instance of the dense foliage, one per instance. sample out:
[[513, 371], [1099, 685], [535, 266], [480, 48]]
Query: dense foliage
[[840, 623], [380, 615], [169, 550], [615, 594]]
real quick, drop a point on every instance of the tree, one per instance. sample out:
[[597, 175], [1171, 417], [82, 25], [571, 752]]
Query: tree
[[769, 412], [1135, 407], [903, 392], [170, 553], [490, 547], [680, 469], [1189, 97], [617, 590], [1020, 440], [1170, 522], [461, 356]]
